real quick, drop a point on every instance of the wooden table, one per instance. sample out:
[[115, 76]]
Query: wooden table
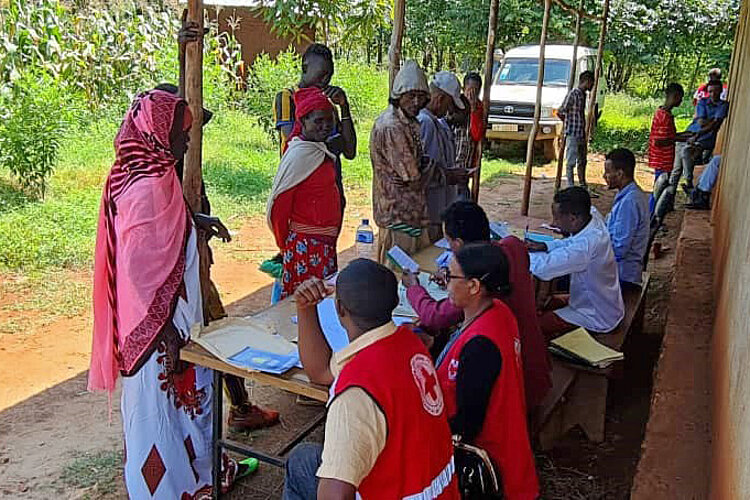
[[295, 380]]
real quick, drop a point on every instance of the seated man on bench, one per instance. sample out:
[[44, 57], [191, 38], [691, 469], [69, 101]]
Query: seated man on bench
[[595, 301], [387, 433], [628, 221]]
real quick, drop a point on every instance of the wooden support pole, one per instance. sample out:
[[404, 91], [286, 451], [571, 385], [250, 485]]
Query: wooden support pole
[[537, 111], [192, 180], [571, 82], [394, 51], [192, 177], [489, 58], [590, 117]]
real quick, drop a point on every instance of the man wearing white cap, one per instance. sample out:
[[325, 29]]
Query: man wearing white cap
[[439, 145], [399, 169]]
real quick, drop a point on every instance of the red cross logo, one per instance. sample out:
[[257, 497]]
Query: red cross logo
[[426, 380]]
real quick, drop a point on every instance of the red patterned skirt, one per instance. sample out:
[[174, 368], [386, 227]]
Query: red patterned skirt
[[305, 257]]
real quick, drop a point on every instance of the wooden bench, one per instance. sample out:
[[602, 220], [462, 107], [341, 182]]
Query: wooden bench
[[579, 394]]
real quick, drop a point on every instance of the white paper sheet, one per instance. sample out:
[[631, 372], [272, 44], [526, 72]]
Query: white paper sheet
[[402, 259], [329, 321]]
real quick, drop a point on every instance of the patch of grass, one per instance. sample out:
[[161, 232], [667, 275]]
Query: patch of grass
[[97, 472], [53, 293]]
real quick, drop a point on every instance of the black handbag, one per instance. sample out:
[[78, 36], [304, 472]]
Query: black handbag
[[477, 478]]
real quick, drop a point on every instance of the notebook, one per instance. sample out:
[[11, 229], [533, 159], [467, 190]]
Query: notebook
[[580, 347], [404, 308], [538, 237]]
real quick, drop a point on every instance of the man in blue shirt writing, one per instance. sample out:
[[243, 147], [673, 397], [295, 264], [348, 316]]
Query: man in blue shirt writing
[[709, 115], [628, 221]]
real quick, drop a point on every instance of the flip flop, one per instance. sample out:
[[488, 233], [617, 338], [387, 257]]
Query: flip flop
[[251, 465]]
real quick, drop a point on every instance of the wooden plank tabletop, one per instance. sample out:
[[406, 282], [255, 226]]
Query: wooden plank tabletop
[[294, 380]]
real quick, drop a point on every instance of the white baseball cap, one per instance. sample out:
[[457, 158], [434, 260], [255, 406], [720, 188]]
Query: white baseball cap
[[448, 83]]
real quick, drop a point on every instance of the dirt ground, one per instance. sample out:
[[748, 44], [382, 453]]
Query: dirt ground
[[56, 439]]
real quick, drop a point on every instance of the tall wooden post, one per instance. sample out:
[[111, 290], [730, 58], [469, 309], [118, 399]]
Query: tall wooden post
[[537, 110], [597, 74], [192, 183], [394, 51], [571, 82], [489, 58], [192, 177]]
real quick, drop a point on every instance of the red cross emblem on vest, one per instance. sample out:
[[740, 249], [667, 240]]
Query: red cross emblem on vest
[[426, 381]]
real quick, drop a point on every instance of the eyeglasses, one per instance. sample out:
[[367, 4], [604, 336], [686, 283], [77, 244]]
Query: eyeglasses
[[449, 277]]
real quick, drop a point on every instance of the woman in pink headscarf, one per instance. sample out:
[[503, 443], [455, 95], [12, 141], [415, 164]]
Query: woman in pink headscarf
[[146, 299]]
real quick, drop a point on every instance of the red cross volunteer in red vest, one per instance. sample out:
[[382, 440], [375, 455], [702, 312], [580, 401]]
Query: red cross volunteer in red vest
[[387, 434], [476, 274]]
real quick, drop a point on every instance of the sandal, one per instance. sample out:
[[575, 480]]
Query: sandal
[[246, 467]]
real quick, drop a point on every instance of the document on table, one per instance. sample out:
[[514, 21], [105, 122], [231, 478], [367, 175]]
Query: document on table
[[246, 343], [435, 291]]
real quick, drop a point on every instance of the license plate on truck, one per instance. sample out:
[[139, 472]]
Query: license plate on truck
[[504, 127]]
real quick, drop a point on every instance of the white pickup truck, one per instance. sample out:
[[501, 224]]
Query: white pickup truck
[[513, 93]]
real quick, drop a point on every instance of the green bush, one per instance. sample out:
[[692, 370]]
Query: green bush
[[366, 87], [35, 116], [267, 77]]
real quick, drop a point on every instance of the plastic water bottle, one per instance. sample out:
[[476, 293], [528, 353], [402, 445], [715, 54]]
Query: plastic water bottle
[[365, 241]]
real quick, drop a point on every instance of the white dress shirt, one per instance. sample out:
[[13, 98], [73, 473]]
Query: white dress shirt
[[595, 296]]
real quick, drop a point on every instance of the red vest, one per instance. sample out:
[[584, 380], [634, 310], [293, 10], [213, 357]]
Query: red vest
[[417, 461], [504, 435]]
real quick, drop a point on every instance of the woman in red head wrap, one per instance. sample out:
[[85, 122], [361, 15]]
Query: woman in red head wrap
[[304, 208], [146, 299]]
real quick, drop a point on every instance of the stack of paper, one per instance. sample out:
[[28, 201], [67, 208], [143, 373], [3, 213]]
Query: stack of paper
[[580, 347], [248, 344], [405, 309]]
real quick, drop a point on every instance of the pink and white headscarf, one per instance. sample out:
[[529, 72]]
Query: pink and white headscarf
[[140, 245]]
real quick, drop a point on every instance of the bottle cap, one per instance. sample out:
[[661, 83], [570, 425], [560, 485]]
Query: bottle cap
[[366, 222]]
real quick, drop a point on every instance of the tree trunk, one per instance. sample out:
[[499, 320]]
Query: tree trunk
[[488, 60], [394, 52], [693, 79], [597, 73], [571, 82], [380, 48], [537, 110]]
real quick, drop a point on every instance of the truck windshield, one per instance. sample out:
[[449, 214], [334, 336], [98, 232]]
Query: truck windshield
[[520, 71]]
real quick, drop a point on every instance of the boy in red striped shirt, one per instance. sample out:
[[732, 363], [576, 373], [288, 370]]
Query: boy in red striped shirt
[[661, 142]]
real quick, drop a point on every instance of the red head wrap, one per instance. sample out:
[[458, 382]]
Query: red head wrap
[[310, 99]]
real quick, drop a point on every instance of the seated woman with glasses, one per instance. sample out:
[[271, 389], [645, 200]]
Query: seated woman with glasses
[[480, 369]]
